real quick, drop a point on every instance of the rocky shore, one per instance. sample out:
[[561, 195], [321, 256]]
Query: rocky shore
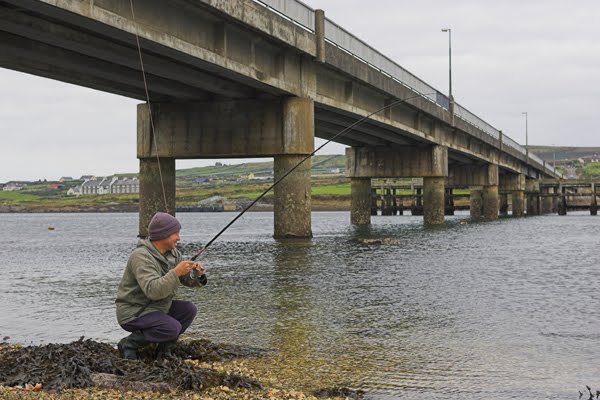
[[86, 369]]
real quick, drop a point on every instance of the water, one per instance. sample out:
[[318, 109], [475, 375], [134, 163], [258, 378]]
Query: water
[[502, 310]]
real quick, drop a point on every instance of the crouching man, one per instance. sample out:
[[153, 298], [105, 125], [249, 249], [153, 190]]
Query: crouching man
[[145, 305]]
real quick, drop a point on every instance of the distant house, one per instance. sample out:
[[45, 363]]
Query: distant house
[[65, 179], [90, 187], [333, 170], [202, 181], [124, 185], [74, 191], [110, 185], [14, 185], [55, 186], [87, 178], [248, 177]]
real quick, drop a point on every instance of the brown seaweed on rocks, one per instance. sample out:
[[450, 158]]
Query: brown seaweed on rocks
[[62, 366]]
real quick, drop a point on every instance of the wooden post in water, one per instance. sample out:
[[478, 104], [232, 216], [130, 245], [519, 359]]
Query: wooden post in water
[[594, 204]]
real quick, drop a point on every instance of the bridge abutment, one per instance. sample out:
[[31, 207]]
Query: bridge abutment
[[431, 163]]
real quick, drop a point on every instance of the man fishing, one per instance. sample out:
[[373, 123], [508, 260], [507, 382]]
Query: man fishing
[[145, 304]]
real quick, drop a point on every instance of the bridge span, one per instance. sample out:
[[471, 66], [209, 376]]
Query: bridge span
[[244, 78]]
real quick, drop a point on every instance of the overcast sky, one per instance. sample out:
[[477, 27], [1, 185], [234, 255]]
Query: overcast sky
[[508, 57]]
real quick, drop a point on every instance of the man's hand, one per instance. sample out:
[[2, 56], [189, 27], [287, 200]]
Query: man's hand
[[184, 267]]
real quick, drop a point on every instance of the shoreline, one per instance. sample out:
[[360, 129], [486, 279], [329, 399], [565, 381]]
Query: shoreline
[[198, 369]]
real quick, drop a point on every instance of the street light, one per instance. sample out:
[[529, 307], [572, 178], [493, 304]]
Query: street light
[[449, 62], [526, 135]]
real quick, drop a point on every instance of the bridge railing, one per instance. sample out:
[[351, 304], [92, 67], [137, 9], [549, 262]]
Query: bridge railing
[[303, 15]]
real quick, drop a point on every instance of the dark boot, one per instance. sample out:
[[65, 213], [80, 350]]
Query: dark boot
[[165, 349], [129, 345]]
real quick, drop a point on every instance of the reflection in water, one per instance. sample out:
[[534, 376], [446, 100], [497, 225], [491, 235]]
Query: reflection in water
[[497, 310]]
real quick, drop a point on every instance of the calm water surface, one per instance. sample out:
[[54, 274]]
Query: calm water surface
[[505, 309]]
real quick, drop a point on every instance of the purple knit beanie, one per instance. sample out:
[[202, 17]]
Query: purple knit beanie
[[162, 225]]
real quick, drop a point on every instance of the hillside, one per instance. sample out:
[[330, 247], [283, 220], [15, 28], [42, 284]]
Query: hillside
[[562, 153], [320, 165]]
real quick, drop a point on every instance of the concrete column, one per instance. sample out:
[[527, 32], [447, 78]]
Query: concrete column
[[156, 174], [555, 191], [433, 200], [476, 205], [546, 207], [518, 203], [292, 198], [503, 208], [490, 202], [360, 203], [292, 195]]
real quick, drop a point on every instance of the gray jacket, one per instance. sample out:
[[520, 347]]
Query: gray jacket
[[149, 282]]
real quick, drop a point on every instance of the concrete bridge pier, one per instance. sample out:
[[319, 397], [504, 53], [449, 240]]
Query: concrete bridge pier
[[515, 184], [483, 182], [280, 128], [431, 163], [476, 202], [532, 187], [434, 200], [518, 203], [156, 174], [360, 201], [490, 202], [547, 197]]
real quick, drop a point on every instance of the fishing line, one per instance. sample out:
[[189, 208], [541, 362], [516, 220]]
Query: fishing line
[[139, 48], [340, 133], [343, 131]]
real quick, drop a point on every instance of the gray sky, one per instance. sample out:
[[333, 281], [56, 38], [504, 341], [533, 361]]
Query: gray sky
[[539, 56]]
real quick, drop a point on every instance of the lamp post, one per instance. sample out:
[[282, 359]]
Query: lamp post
[[526, 136], [449, 63]]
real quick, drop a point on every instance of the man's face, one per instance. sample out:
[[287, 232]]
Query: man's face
[[171, 241]]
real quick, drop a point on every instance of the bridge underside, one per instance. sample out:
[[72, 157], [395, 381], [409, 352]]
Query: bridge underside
[[236, 80]]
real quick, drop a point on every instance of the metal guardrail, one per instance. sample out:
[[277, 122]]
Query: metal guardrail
[[303, 15]]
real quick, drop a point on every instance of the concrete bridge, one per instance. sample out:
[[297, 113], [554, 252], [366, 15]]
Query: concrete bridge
[[243, 78]]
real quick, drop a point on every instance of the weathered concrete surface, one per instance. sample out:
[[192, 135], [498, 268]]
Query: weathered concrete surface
[[476, 203], [490, 202], [547, 199], [518, 203], [472, 175], [244, 128], [360, 204], [433, 200], [511, 182], [157, 187], [532, 188], [385, 162], [292, 198]]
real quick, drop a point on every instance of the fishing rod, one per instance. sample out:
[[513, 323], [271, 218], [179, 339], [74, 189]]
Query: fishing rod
[[343, 131], [358, 122]]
